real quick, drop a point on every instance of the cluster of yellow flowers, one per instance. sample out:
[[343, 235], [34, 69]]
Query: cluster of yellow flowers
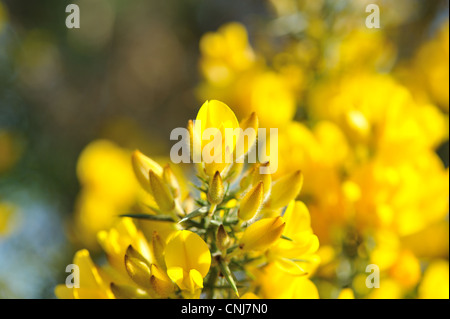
[[235, 233], [365, 139], [360, 123]]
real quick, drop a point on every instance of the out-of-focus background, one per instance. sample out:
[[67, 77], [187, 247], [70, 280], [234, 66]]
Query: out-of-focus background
[[74, 102]]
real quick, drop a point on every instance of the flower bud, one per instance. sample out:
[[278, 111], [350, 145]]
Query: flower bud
[[265, 178], [158, 250], [161, 193], [137, 267], [222, 239], [161, 282], [216, 190], [252, 202], [285, 189], [262, 234], [171, 180], [141, 166]]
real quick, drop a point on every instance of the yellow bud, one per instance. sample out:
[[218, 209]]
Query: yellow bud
[[158, 250], [161, 193], [160, 282], [222, 239], [137, 267], [252, 202], [171, 180], [262, 234], [285, 189], [216, 190], [265, 178], [141, 166]]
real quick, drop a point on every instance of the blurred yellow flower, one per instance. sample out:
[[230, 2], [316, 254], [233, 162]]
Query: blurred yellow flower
[[435, 281], [234, 74], [92, 285], [109, 189], [7, 212], [366, 143], [293, 287], [428, 73]]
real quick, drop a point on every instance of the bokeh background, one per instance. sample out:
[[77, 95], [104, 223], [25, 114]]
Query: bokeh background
[[73, 103]]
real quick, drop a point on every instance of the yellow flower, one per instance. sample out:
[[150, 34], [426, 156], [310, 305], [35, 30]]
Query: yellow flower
[[296, 253], [188, 260], [118, 238], [213, 119], [109, 188], [346, 293], [225, 52], [292, 287], [428, 73], [235, 75], [92, 285], [435, 281], [406, 269]]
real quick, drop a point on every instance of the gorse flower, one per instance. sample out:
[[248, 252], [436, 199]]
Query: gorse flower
[[220, 240]]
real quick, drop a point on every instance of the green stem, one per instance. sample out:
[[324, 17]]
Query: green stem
[[213, 275]]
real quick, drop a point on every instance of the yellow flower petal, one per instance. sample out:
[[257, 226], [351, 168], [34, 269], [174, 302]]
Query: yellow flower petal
[[216, 115], [285, 189], [262, 234]]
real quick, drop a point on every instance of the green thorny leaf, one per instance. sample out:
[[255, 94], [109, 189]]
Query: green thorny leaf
[[227, 274], [201, 211]]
